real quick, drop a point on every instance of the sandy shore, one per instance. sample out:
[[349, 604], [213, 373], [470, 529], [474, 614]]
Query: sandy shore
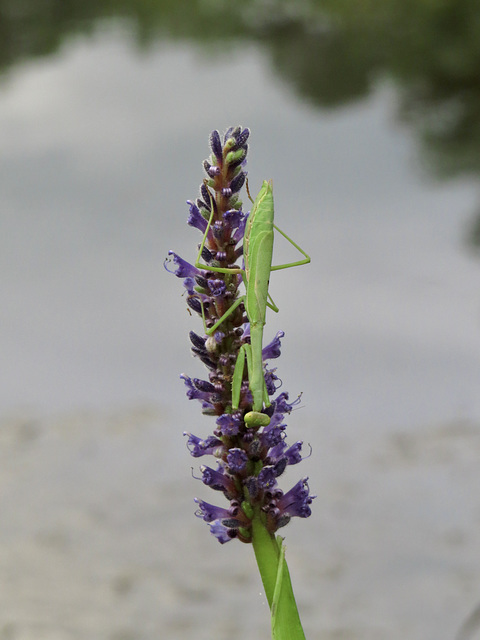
[[98, 539]]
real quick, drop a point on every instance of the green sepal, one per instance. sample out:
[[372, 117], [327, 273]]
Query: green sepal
[[229, 144], [209, 412], [247, 509], [235, 156], [199, 289], [245, 533]]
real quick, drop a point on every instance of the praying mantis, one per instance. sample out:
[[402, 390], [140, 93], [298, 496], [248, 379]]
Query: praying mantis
[[257, 253]]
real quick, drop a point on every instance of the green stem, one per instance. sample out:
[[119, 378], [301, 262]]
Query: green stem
[[286, 623]]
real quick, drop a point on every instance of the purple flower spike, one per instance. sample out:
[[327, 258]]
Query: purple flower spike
[[250, 458]]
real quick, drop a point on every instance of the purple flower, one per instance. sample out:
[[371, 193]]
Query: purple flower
[[281, 404], [267, 478], [270, 381], [189, 284], [216, 144], [210, 512], [297, 501], [290, 454], [273, 435], [221, 532], [183, 269], [240, 232], [272, 350], [293, 453], [217, 287], [237, 460], [196, 393], [233, 218], [211, 446], [229, 424], [203, 385], [237, 183], [195, 218], [217, 480]]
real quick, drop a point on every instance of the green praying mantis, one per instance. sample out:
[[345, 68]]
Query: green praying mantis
[[257, 253]]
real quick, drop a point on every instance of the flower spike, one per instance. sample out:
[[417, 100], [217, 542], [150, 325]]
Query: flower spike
[[248, 441]]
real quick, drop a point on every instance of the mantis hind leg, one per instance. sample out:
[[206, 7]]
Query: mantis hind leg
[[252, 418], [287, 265], [271, 305], [256, 418], [270, 302]]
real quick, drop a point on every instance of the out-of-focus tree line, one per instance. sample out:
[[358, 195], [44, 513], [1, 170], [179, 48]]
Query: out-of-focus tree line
[[328, 52]]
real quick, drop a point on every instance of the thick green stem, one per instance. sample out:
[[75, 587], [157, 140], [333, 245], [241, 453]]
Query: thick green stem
[[275, 576]]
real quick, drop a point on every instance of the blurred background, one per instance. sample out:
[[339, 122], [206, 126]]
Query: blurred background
[[367, 118]]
